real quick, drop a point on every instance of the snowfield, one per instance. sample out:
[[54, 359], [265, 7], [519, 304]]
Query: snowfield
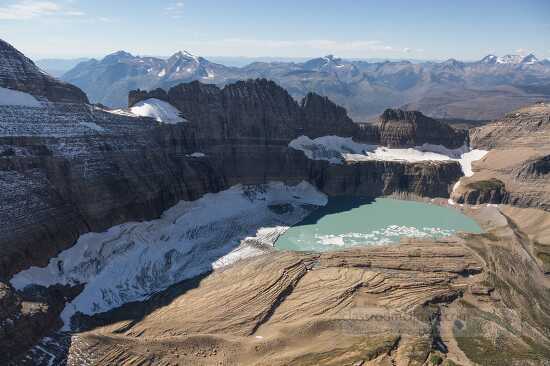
[[338, 150], [132, 261], [160, 110], [18, 98]]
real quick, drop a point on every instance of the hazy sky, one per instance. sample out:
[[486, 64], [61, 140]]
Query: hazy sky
[[421, 29]]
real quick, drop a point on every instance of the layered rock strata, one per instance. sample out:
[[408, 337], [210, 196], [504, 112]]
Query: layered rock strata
[[516, 170], [479, 300], [18, 72]]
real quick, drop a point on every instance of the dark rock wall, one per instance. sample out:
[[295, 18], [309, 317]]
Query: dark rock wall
[[411, 128], [20, 73], [69, 169]]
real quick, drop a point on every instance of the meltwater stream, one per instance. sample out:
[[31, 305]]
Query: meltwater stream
[[352, 221]]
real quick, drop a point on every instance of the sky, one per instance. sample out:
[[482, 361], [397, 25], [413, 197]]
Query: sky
[[394, 29]]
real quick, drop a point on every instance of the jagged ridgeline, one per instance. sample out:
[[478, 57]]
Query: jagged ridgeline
[[451, 89], [107, 214]]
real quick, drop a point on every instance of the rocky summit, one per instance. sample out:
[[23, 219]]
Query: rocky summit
[[145, 235], [20, 73]]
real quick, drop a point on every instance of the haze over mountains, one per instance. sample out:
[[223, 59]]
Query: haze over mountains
[[480, 90]]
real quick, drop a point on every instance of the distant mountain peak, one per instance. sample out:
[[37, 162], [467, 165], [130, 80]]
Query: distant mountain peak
[[509, 59], [184, 54], [489, 59], [529, 59], [118, 56]]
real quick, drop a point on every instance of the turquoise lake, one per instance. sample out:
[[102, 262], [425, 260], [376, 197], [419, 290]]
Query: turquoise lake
[[348, 222]]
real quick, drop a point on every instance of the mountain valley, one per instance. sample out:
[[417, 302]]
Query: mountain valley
[[140, 213]]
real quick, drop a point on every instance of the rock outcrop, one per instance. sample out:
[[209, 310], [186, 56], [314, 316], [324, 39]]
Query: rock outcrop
[[69, 168], [518, 160], [18, 72], [253, 109], [399, 305], [400, 128]]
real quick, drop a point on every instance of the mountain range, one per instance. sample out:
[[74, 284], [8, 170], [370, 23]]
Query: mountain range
[[133, 240], [479, 90]]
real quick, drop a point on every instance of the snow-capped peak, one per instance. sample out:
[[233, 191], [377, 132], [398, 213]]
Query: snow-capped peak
[[530, 59], [509, 59], [185, 55], [489, 59]]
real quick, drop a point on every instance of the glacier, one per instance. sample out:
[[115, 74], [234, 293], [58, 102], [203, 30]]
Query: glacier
[[134, 260]]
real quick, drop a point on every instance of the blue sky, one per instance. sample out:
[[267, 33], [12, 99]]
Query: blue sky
[[418, 29]]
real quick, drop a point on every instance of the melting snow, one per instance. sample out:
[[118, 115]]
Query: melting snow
[[159, 110], [337, 150], [15, 97], [132, 261]]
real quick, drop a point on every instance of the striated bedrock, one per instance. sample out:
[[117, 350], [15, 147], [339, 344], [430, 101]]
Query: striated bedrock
[[525, 127], [71, 178], [479, 300], [18, 72], [68, 168], [399, 128], [518, 159]]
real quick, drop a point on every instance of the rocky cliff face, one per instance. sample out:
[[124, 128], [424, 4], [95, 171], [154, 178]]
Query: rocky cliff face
[[247, 102], [400, 305], [68, 168], [253, 109], [518, 160], [399, 128], [20, 73]]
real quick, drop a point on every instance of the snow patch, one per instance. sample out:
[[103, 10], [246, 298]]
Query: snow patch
[[158, 109], [19, 98], [197, 155], [132, 261], [337, 150]]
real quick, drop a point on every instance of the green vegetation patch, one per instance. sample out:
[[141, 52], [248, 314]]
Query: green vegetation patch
[[500, 348]]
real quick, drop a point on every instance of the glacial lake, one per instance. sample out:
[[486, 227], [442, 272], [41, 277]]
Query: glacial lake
[[350, 221]]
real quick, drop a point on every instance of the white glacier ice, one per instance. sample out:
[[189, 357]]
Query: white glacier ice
[[132, 261]]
